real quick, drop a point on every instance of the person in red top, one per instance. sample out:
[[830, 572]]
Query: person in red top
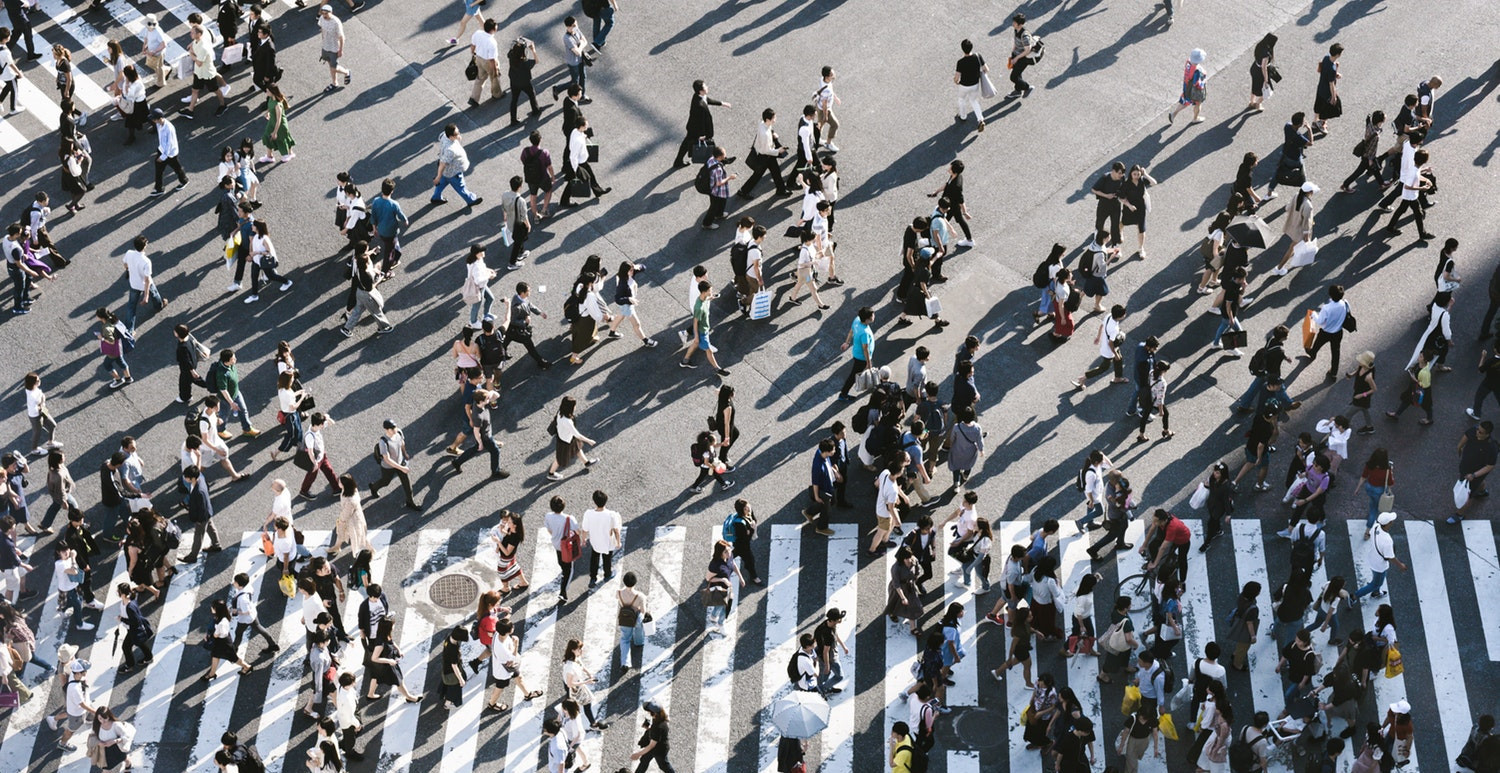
[[1167, 532]]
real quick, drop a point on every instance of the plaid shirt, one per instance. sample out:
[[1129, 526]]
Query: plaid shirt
[[718, 179]]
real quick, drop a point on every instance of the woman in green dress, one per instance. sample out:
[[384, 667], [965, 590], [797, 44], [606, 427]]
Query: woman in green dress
[[278, 136]]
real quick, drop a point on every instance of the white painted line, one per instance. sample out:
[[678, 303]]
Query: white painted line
[[1129, 563], [1437, 626], [1484, 567], [176, 633], [715, 698], [18, 736], [87, 95], [1387, 691], [461, 728], [963, 762], [399, 736], [965, 690], [782, 575], [843, 592], [601, 644], [1250, 564], [524, 741], [1083, 670], [106, 659], [1017, 694], [288, 673], [380, 540]]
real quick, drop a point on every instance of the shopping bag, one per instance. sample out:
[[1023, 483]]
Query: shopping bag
[[1460, 494], [760, 305], [267, 546], [1291, 491], [934, 307], [867, 379], [1309, 329], [1132, 700], [233, 54], [1200, 497], [1388, 501], [986, 86], [1303, 253], [1026, 715], [648, 624], [288, 585], [1393, 667], [579, 188], [1168, 727], [184, 67], [1184, 696]]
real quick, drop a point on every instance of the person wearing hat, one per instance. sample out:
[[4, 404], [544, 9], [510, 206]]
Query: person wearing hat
[[154, 46], [1380, 555], [166, 151], [655, 742], [1477, 453], [1398, 725], [1193, 86], [76, 704], [331, 34], [828, 642], [1299, 224], [394, 463]]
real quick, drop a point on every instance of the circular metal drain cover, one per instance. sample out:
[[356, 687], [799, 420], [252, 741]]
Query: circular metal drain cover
[[454, 591], [976, 727]]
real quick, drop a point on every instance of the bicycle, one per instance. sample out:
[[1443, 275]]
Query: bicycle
[[1139, 588]]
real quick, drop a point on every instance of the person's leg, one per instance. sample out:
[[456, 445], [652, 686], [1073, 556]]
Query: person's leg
[[327, 468], [463, 190], [411, 498], [567, 572], [1372, 587], [856, 367], [494, 452], [160, 166], [594, 559], [176, 167]]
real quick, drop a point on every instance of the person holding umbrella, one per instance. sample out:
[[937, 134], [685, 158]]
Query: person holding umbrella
[[800, 714]]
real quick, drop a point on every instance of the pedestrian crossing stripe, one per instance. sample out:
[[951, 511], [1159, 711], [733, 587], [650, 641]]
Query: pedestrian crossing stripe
[[166, 703]]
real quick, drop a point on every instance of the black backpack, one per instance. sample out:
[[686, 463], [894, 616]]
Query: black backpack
[[193, 422], [1242, 757], [1075, 299], [592, 8], [251, 761], [860, 422], [704, 182], [1040, 278], [1037, 48], [1083, 478], [739, 258], [1304, 549], [794, 674], [1258, 362]]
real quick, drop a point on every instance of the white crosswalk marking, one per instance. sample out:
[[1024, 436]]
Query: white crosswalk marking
[[1387, 691], [1130, 562], [965, 690], [658, 656], [19, 736], [843, 565], [1250, 565], [219, 699], [715, 699], [399, 735], [1484, 567], [901, 651], [288, 672], [782, 573], [461, 730], [1017, 696], [963, 762], [601, 645], [106, 659], [87, 95], [1083, 670], [537, 632], [1442, 637]]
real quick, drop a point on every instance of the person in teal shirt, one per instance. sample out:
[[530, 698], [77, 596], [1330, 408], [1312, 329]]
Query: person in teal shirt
[[861, 346]]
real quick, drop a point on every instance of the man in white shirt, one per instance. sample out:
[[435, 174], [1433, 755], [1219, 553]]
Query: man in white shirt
[[281, 503], [601, 528], [486, 53], [242, 607], [142, 283], [453, 161], [76, 703], [1412, 186], [576, 164], [888, 496], [1380, 556], [766, 158], [166, 151], [807, 140], [806, 664], [1108, 339], [1094, 495], [394, 463], [331, 39], [557, 746], [1330, 321], [154, 46]]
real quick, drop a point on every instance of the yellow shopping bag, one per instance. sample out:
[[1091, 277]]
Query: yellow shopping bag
[[1026, 715], [231, 246], [1168, 727], [1309, 329], [1132, 700], [1393, 667]]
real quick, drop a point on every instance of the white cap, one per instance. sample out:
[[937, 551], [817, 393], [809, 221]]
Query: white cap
[[1197, 55], [1310, 188], [325, 8], [1385, 519], [1401, 707], [79, 666], [151, 19]]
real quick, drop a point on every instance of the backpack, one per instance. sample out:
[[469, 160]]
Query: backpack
[[794, 674], [193, 422], [1040, 278], [1242, 757], [1075, 299], [704, 182], [1038, 48], [378, 454], [173, 535], [251, 761], [729, 522], [739, 258], [1304, 549], [1083, 478], [215, 369], [860, 423], [592, 8], [1258, 362], [916, 760], [491, 348]]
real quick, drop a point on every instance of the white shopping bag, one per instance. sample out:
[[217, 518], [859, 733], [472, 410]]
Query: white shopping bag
[[760, 305], [1460, 493], [1303, 253], [1200, 497]]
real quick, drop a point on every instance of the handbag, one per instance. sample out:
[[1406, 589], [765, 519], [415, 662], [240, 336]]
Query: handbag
[[10, 700], [793, 232], [1393, 666], [714, 597], [702, 149], [1235, 339], [760, 305], [1114, 641], [1309, 329], [267, 545], [593, 152], [867, 379], [233, 54], [1132, 700], [571, 547], [472, 71], [1026, 714], [1387, 500], [647, 624], [986, 86], [577, 186], [934, 306], [1303, 253], [303, 460], [95, 752], [1460, 494]]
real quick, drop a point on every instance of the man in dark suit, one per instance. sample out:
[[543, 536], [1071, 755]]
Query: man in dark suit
[[201, 512], [20, 24], [700, 122], [571, 110]]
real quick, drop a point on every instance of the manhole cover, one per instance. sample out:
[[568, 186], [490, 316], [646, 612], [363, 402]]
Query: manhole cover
[[977, 728], [454, 591]]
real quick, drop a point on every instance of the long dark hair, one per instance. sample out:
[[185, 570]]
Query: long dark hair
[[1380, 459]]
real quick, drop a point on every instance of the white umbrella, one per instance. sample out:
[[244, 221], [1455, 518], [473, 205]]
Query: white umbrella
[[800, 714]]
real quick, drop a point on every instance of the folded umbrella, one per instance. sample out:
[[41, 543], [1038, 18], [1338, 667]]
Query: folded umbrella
[[800, 714], [1250, 231]]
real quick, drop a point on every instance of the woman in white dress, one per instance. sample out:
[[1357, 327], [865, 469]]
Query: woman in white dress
[[350, 529]]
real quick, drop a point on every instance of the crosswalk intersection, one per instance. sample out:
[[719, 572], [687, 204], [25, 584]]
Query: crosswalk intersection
[[719, 684]]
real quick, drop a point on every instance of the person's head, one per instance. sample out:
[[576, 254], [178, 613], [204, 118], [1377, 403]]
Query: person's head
[[318, 420], [1420, 157], [1299, 118], [1485, 429], [573, 649], [866, 315], [900, 730], [768, 115], [567, 407], [347, 486], [758, 233], [1117, 170], [1335, 51], [956, 167], [808, 111], [1250, 591], [805, 642], [1018, 21], [570, 23], [967, 46], [557, 504], [190, 474]]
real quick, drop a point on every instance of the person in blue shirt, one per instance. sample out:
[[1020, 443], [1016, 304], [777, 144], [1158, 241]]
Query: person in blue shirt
[[860, 343], [824, 474], [1145, 364], [389, 221]]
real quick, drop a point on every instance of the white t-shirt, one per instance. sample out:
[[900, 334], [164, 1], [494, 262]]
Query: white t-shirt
[[139, 267], [1410, 177], [347, 700], [242, 604], [502, 651], [60, 578], [312, 606], [557, 753], [1093, 482], [286, 400], [6, 60], [74, 699], [599, 524], [1111, 327], [1338, 441], [485, 46], [565, 429], [34, 401], [967, 520], [1382, 550], [281, 505], [888, 494], [1213, 671]]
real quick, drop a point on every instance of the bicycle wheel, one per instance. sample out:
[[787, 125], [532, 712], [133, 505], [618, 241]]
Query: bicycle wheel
[[1138, 588]]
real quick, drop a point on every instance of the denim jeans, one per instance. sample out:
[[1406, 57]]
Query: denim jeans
[[1374, 585], [1251, 398], [243, 411], [481, 306], [134, 302], [1223, 326], [627, 638], [835, 673], [578, 73], [978, 566], [1090, 513], [75, 603], [457, 181], [1374, 493], [603, 23], [1331, 617], [56, 507], [293, 434]]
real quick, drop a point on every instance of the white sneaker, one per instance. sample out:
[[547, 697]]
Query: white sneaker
[[233, 287], [1270, 195], [252, 299], [683, 335], [1278, 272], [85, 626], [287, 285], [51, 722], [1235, 353], [94, 605], [832, 148], [186, 100], [965, 243]]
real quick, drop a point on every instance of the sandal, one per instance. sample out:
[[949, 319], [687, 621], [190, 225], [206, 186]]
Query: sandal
[[533, 695], [1167, 434], [497, 707], [414, 699]]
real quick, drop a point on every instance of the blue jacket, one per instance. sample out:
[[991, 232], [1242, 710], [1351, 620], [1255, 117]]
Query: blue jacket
[[822, 474], [199, 507]]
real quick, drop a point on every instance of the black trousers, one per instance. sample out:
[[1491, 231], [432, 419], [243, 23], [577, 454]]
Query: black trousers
[[163, 163], [1114, 533], [514, 334], [1108, 210], [856, 367], [567, 572], [956, 217], [586, 173], [515, 97], [761, 166], [1016, 78], [660, 756], [131, 643], [1365, 167], [22, 30], [388, 474], [819, 511], [747, 557], [253, 625], [9, 91], [472, 451], [1334, 340], [716, 206], [256, 270], [1417, 213], [518, 236], [1489, 318], [687, 146], [596, 558], [185, 382]]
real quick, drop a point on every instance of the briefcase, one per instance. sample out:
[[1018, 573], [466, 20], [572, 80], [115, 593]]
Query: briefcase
[[702, 150], [1234, 339], [593, 152], [579, 188]]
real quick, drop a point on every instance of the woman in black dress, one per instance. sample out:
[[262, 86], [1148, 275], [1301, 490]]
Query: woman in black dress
[[917, 296], [722, 422], [385, 663], [1136, 202], [1327, 104], [1242, 197], [221, 641], [1260, 71]]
